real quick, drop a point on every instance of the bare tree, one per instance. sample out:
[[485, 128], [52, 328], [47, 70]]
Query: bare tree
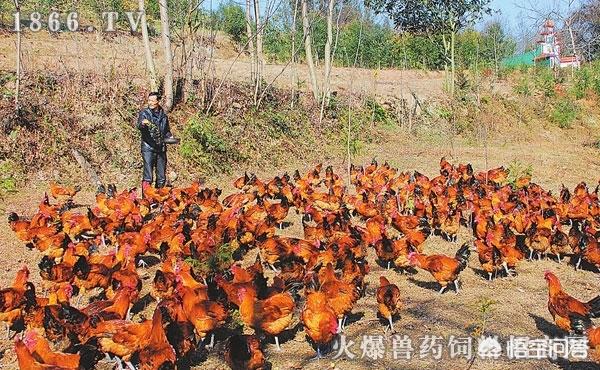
[[308, 50], [293, 56], [148, 50], [327, 56], [250, 36], [166, 37], [18, 71], [259, 25]]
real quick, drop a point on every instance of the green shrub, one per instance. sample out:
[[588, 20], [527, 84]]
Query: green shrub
[[564, 113], [582, 82], [209, 263], [545, 81], [232, 20], [516, 170], [378, 112], [8, 178], [523, 87], [202, 145]]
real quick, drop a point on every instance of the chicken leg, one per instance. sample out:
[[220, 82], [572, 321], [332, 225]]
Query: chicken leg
[[212, 341], [277, 343]]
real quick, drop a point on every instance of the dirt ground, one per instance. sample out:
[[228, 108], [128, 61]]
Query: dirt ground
[[519, 303]]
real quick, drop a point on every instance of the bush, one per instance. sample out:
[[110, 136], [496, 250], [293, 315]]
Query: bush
[[564, 113], [378, 113], [517, 170], [545, 81], [232, 20], [582, 82], [523, 87], [202, 145]]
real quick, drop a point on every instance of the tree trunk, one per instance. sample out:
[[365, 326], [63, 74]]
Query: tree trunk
[[327, 56], [308, 50], [259, 49], [572, 45], [453, 61], [166, 37], [18, 69], [293, 60], [146, 39], [250, 36]]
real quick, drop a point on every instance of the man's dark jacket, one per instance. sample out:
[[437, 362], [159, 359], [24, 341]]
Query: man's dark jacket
[[152, 137]]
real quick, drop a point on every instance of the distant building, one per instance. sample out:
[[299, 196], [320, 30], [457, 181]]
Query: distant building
[[547, 53]]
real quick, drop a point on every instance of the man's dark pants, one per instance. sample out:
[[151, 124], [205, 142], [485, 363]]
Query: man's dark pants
[[154, 159]]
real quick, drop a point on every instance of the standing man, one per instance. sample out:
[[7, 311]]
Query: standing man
[[153, 124]]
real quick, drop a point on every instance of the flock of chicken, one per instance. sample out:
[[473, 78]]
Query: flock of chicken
[[322, 274]]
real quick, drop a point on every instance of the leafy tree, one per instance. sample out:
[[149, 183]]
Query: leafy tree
[[496, 44], [232, 20], [445, 17]]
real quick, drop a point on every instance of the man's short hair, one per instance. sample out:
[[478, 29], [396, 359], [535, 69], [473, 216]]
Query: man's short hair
[[154, 93]]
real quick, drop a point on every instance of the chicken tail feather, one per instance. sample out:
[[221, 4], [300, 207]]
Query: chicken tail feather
[[595, 307], [462, 255]]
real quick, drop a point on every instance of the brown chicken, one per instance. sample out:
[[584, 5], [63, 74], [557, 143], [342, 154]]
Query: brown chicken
[[341, 295], [272, 315], [204, 314], [39, 347], [28, 362], [443, 268], [582, 326], [388, 300], [562, 306], [58, 191], [243, 352], [120, 337], [157, 353], [12, 299], [588, 251], [490, 258], [320, 321]]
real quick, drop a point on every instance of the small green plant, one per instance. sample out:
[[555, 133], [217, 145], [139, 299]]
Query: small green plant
[[235, 321], [203, 146], [564, 113], [517, 170], [378, 112], [484, 308], [8, 181], [545, 81], [220, 260], [582, 83], [523, 87]]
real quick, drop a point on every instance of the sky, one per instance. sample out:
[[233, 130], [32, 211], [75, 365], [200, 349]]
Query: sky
[[514, 12]]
